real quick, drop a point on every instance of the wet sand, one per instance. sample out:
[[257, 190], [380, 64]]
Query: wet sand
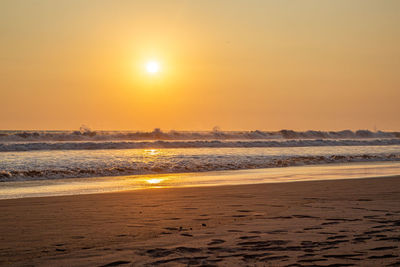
[[319, 223]]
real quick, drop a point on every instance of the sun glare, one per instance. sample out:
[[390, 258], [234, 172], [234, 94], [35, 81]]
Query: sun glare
[[152, 67]]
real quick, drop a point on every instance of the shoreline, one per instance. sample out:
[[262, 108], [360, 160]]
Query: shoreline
[[150, 188], [93, 185], [316, 222]]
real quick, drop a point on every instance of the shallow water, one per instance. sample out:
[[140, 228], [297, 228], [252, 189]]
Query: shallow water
[[74, 186]]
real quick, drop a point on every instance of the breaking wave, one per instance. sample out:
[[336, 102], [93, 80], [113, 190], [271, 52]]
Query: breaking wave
[[197, 164], [96, 145], [27, 155], [85, 134]]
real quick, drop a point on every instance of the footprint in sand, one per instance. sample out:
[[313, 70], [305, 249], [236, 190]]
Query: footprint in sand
[[216, 242], [384, 248], [244, 211], [159, 252], [115, 263], [249, 237], [185, 234], [383, 256], [336, 237]]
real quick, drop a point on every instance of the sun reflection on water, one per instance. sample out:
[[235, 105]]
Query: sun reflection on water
[[152, 152]]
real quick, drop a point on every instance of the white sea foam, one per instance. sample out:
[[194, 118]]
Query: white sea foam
[[55, 164], [85, 134], [92, 145], [68, 186], [27, 155]]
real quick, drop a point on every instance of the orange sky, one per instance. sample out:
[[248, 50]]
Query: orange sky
[[241, 65]]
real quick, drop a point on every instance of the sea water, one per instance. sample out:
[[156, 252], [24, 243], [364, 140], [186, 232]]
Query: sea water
[[54, 159]]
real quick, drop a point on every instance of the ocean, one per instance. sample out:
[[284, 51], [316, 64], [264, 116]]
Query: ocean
[[63, 157]]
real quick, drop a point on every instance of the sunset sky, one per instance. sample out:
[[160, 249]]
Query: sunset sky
[[239, 65]]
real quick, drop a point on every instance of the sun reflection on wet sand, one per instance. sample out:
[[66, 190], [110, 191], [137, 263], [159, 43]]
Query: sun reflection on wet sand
[[154, 181], [75, 186]]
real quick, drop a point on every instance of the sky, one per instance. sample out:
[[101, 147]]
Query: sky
[[239, 65]]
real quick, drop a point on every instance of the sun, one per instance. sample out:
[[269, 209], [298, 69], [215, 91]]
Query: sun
[[152, 67]]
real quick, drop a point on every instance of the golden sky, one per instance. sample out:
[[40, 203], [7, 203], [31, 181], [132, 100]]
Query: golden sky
[[241, 65]]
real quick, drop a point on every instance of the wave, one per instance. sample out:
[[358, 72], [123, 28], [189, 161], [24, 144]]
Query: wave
[[96, 145], [85, 134], [188, 165]]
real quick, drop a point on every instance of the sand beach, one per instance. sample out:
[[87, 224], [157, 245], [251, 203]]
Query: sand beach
[[351, 222]]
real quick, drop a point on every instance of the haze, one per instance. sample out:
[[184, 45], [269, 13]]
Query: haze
[[241, 65]]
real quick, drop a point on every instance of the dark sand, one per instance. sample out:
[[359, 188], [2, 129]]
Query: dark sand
[[323, 223]]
